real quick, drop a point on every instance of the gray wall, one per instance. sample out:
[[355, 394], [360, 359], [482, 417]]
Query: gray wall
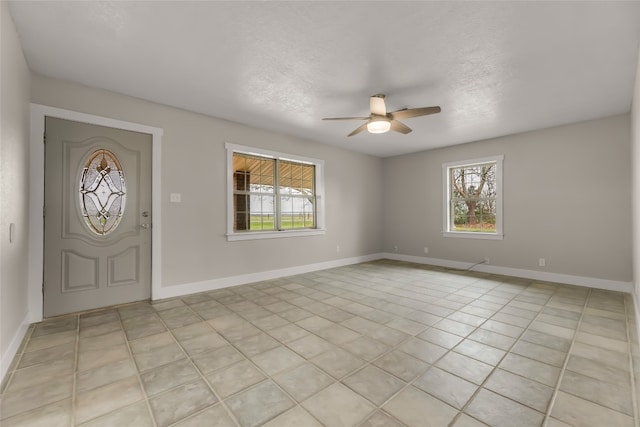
[[14, 183], [194, 246], [566, 199], [556, 207]]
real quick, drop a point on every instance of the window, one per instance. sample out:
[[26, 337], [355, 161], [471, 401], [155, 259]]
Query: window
[[473, 198], [272, 194]]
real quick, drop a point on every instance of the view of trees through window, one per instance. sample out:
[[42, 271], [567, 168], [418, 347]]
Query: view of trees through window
[[473, 198]]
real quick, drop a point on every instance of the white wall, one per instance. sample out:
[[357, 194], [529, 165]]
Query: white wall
[[566, 199], [14, 184], [194, 246]]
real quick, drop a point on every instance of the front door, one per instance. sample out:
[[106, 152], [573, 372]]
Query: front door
[[97, 248]]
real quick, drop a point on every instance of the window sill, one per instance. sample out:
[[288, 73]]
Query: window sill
[[259, 235], [467, 235]]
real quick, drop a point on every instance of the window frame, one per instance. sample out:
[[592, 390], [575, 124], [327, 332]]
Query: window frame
[[233, 235], [446, 216]]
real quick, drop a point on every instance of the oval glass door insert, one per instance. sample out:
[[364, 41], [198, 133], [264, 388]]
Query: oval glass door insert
[[102, 193]]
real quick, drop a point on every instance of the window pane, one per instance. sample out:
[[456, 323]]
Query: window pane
[[308, 212], [296, 187], [241, 212], [241, 180], [297, 212], [308, 187], [266, 176], [253, 180], [472, 195], [262, 212], [285, 185], [296, 178]]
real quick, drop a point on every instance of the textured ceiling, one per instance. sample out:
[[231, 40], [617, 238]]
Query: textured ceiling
[[495, 68]]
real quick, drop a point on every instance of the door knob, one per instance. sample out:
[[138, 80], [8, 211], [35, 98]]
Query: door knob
[[145, 214], [145, 226]]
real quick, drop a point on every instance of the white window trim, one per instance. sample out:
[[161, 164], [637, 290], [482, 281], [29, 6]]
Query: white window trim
[[232, 235], [499, 234]]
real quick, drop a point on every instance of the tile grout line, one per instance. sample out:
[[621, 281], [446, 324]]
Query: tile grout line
[[377, 407], [219, 397], [335, 381], [193, 365], [366, 364], [139, 374], [450, 350], [634, 391], [348, 374], [318, 285], [286, 345], [22, 352], [15, 364], [409, 336], [549, 297], [507, 352], [269, 377], [138, 377], [556, 389], [461, 410]]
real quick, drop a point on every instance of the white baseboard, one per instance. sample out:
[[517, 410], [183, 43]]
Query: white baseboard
[[12, 350], [609, 285], [210, 285]]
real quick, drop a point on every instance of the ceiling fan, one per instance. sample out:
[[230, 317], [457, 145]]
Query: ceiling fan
[[379, 121]]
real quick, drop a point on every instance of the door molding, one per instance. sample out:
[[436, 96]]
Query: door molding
[[36, 197]]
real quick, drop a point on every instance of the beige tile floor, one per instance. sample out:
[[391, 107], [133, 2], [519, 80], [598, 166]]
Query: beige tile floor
[[376, 344]]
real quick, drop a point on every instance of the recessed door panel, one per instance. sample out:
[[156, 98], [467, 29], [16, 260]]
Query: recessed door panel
[[124, 268], [79, 272]]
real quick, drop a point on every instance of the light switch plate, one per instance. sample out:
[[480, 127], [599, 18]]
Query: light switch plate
[[176, 197]]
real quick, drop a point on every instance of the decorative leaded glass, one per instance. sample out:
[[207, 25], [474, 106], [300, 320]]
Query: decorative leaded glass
[[102, 192]]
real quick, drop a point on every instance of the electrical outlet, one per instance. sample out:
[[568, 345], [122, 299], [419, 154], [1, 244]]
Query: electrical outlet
[[338, 248], [487, 260], [395, 249], [426, 250], [542, 262]]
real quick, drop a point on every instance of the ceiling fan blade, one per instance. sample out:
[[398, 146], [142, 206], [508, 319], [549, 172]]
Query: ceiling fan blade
[[400, 127], [414, 112], [346, 118], [358, 130], [377, 105]]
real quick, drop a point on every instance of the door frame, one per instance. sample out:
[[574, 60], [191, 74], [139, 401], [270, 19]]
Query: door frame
[[36, 197]]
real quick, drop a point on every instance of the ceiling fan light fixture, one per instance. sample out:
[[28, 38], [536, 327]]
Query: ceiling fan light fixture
[[379, 126]]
